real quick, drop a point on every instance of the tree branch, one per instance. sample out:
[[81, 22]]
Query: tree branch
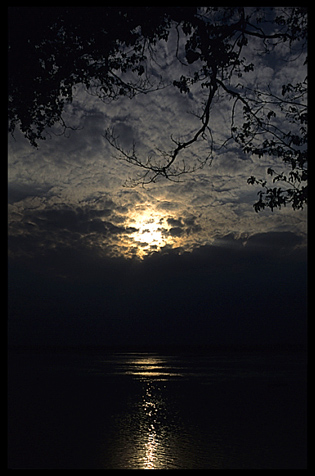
[[167, 170]]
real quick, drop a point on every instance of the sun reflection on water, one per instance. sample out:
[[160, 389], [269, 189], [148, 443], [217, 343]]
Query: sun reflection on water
[[151, 367], [149, 434], [146, 436], [153, 452]]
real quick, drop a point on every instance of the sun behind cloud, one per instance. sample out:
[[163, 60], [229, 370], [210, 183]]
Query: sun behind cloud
[[152, 229], [150, 232]]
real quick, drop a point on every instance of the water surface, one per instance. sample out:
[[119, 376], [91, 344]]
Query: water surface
[[157, 410]]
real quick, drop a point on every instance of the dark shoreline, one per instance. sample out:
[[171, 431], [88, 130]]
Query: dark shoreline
[[91, 349]]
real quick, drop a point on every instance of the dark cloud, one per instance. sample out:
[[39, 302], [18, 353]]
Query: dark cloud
[[229, 293], [20, 191], [65, 227], [174, 222], [229, 241], [275, 240], [124, 132], [176, 231], [191, 225], [180, 227], [73, 220]]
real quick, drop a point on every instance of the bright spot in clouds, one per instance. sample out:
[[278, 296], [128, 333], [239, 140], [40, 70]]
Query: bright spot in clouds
[[151, 232]]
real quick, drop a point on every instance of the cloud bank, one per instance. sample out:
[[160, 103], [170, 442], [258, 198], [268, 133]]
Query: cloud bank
[[235, 292]]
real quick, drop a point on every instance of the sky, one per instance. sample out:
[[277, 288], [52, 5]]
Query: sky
[[93, 261]]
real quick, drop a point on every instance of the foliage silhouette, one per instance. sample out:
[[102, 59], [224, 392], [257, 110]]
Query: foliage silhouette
[[108, 50]]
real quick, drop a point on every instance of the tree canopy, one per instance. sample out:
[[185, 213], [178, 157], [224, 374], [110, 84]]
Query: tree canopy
[[108, 50]]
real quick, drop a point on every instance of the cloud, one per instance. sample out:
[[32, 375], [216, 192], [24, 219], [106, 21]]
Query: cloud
[[70, 191], [35, 230], [234, 292], [180, 227], [176, 231], [20, 191], [275, 241], [175, 222]]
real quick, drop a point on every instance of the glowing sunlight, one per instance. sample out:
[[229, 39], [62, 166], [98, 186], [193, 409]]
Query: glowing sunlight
[[150, 234]]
